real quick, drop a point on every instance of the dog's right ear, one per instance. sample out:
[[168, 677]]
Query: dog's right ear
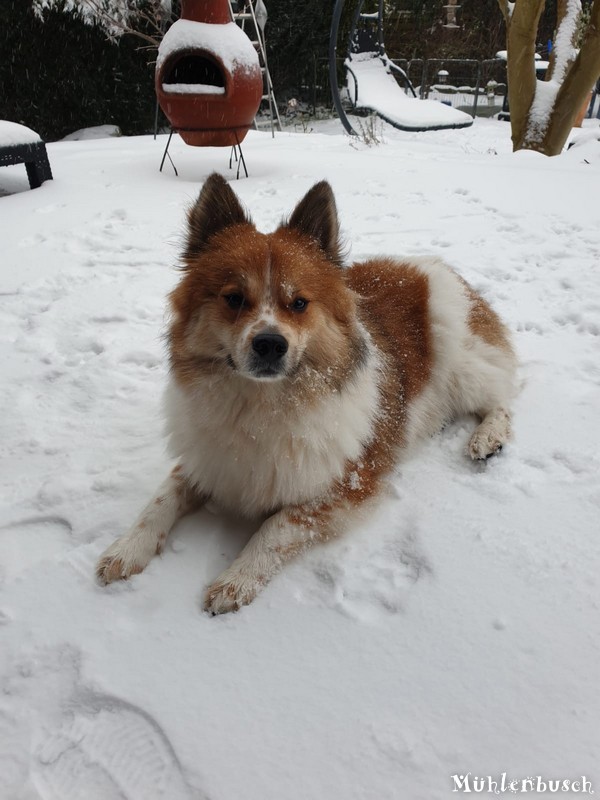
[[316, 216], [216, 208]]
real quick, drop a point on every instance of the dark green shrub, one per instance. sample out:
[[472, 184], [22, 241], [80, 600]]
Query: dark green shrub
[[58, 74]]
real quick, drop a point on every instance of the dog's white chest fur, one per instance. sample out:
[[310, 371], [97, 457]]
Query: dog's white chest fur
[[253, 455]]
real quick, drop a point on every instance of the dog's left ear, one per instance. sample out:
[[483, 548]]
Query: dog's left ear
[[216, 208], [316, 216]]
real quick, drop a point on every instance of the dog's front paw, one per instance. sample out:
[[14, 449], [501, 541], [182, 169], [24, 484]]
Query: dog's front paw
[[119, 562], [231, 591]]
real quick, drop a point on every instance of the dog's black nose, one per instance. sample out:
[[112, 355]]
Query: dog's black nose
[[270, 347]]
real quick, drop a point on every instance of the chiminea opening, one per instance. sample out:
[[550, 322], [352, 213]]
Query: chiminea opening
[[192, 69]]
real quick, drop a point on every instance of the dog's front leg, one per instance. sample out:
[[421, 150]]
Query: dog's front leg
[[131, 553], [282, 536], [277, 540]]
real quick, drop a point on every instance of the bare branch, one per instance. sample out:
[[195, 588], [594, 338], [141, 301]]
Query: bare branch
[[122, 24]]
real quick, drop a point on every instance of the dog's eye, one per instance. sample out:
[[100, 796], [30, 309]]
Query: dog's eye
[[299, 304], [234, 300]]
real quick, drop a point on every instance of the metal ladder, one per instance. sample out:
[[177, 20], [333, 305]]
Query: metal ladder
[[249, 17]]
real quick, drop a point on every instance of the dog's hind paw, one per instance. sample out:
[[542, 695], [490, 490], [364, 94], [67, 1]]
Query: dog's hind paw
[[489, 437], [482, 450]]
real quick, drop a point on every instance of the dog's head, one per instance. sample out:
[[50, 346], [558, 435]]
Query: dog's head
[[265, 307]]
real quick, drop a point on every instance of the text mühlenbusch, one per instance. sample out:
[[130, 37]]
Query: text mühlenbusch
[[468, 783]]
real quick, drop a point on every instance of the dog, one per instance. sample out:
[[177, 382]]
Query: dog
[[296, 385]]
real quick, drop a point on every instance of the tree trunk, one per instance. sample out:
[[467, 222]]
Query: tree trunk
[[576, 87], [542, 113], [522, 27]]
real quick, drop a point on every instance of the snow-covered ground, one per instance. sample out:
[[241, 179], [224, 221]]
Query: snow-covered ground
[[458, 631]]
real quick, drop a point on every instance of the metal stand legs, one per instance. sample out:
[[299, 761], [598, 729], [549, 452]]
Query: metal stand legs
[[236, 153], [237, 148], [166, 153]]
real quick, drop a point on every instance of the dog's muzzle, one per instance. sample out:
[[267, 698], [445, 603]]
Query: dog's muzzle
[[268, 355]]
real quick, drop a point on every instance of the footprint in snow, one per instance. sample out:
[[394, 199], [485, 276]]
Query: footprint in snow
[[106, 319], [365, 585], [13, 758], [141, 358], [30, 541], [107, 750], [50, 208]]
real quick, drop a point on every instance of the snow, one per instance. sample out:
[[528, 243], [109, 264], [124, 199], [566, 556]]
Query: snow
[[95, 132], [457, 629], [541, 108], [540, 63], [565, 51], [375, 88], [228, 42], [11, 133], [192, 88], [503, 54]]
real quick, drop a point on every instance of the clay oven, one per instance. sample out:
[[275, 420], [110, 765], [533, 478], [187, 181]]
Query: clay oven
[[208, 78]]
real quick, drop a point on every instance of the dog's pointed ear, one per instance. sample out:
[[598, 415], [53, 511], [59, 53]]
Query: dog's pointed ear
[[316, 216], [217, 207]]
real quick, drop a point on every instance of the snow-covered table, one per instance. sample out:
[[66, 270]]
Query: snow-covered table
[[21, 145]]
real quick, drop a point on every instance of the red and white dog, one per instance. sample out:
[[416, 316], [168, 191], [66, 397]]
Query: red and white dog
[[296, 384]]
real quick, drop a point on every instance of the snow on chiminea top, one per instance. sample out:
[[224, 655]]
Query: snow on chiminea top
[[225, 42], [208, 78]]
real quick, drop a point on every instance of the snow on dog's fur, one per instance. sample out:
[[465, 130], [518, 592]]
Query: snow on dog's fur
[[296, 385]]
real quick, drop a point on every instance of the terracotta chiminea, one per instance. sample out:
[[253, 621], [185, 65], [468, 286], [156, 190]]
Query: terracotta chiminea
[[208, 78]]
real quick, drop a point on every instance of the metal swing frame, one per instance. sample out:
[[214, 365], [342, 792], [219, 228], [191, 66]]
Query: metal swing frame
[[333, 39], [378, 48]]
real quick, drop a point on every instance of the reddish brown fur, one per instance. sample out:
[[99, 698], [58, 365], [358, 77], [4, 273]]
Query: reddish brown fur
[[394, 305], [401, 332], [484, 322], [294, 266]]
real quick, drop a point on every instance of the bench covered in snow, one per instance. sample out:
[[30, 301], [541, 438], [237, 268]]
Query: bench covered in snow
[[21, 145]]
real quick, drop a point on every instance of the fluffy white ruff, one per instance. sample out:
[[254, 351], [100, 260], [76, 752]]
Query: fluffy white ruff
[[255, 448]]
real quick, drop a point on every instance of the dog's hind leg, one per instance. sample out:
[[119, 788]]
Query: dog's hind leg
[[491, 434], [485, 376], [131, 553], [489, 393]]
